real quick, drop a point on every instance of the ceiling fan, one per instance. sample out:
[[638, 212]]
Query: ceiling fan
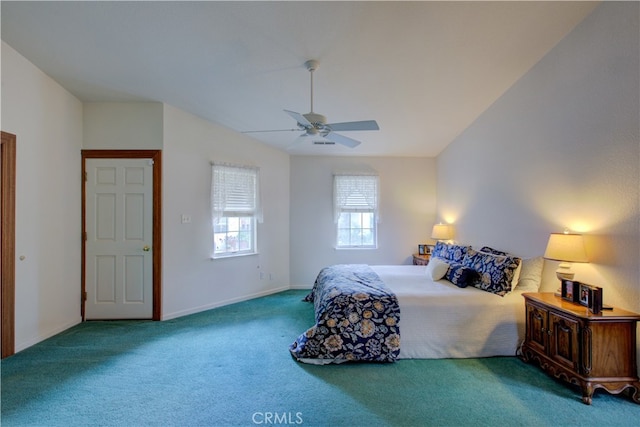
[[315, 125]]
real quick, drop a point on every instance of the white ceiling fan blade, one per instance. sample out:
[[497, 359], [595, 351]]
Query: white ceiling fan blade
[[299, 118], [341, 139], [361, 125]]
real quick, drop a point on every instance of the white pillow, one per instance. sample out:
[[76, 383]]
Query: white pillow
[[437, 268], [531, 275], [516, 274]]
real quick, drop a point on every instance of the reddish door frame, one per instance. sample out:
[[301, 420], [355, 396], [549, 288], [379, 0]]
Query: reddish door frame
[[156, 156], [8, 227]]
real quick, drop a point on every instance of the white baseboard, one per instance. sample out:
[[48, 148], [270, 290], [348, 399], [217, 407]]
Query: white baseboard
[[300, 287], [19, 346], [217, 304]]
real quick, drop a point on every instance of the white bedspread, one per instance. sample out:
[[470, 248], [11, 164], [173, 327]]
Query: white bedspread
[[439, 320]]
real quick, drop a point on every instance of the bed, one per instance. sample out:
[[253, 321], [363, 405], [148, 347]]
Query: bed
[[440, 320], [415, 317]]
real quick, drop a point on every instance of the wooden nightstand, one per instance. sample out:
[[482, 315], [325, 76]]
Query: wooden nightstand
[[590, 350], [421, 259]]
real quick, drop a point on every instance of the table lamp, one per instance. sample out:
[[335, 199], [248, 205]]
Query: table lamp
[[442, 232], [566, 248]]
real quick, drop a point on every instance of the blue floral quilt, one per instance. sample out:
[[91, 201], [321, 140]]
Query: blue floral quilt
[[357, 318]]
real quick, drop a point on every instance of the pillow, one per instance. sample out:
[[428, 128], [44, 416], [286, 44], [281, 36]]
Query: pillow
[[437, 268], [516, 274], [495, 271], [531, 275], [493, 251], [461, 275], [449, 252]]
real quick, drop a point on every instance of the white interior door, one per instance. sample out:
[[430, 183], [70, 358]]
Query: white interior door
[[119, 226]]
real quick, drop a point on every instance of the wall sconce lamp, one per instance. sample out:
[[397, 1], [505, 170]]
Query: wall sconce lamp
[[442, 232], [566, 248]]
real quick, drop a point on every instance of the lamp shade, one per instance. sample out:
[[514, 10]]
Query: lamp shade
[[566, 247], [442, 232]]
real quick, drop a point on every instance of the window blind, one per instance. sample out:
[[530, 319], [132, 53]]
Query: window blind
[[235, 190], [355, 193]]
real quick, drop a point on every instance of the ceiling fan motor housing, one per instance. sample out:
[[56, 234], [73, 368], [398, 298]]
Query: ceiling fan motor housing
[[317, 120]]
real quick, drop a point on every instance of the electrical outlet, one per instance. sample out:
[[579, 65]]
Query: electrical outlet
[[185, 219]]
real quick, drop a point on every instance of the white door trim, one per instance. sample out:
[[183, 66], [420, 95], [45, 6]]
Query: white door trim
[[156, 156]]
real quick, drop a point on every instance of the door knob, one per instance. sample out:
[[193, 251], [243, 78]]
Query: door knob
[[146, 248]]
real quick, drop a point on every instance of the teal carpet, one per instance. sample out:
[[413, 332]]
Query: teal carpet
[[231, 366]]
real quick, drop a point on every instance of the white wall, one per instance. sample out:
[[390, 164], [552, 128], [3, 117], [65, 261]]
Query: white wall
[[191, 280], [407, 211], [47, 121], [560, 149], [122, 125]]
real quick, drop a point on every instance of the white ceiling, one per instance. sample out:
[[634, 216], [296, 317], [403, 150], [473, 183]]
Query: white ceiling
[[424, 70]]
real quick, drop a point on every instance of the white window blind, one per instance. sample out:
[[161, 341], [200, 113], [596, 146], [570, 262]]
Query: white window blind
[[355, 193], [235, 191]]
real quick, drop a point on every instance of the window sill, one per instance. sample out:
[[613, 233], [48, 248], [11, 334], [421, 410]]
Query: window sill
[[233, 255], [356, 248]]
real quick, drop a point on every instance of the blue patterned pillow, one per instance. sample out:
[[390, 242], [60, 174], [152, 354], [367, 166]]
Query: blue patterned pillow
[[495, 271], [449, 252], [516, 274], [461, 275], [490, 250]]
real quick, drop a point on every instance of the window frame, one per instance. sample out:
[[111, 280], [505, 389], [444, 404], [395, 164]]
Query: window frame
[[235, 193], [356, 194], [239, 252]]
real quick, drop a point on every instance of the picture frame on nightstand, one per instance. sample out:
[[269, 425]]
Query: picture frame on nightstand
[[570, 290], [422, 250], [590, 297]]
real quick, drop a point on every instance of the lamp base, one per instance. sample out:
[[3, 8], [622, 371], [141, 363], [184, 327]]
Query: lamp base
[[563, 273]]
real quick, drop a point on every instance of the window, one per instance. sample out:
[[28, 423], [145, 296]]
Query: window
[[235, 209], [356, 210]]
